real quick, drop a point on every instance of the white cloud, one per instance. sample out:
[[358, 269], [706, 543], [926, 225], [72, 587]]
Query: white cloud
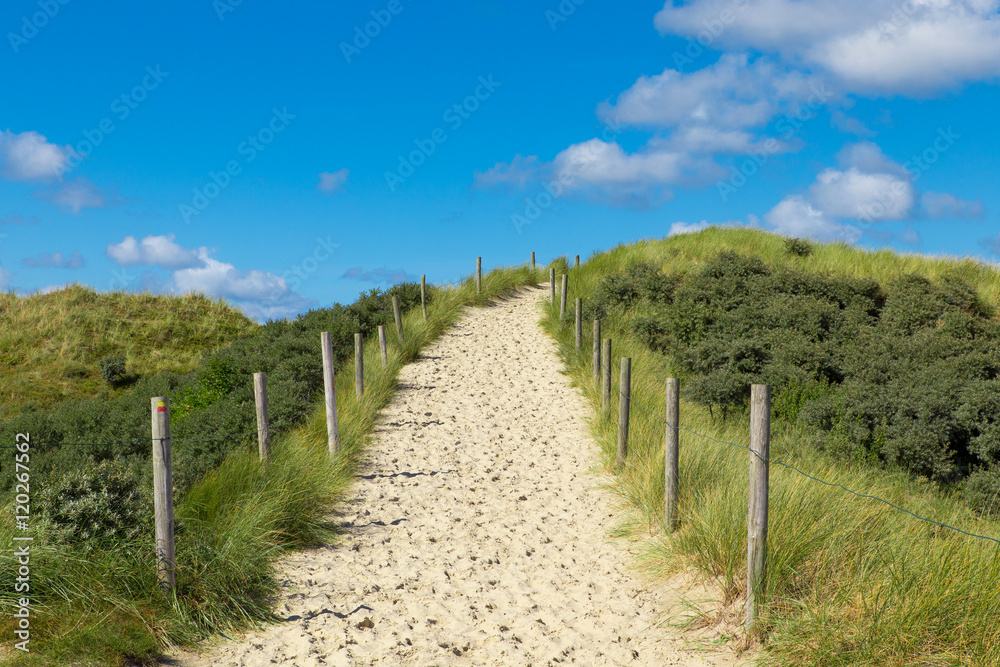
[[76, 195], [845, 123], [333, 181], [516, 174], [223, 279], [679, 228], [943, 205], [56, 260], [733, 93], [875, 46], [28, 156], [857, 194], [868, 157], [794, 216], [153, 251]]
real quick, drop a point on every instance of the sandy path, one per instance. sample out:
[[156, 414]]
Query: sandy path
[[476, 534]]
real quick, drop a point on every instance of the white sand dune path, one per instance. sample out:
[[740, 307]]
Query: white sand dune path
[[475, 533]]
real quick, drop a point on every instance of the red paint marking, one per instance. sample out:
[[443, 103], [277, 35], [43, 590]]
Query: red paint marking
[[161, 409]]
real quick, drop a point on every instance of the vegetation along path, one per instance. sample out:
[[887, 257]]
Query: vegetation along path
[[476, 533]]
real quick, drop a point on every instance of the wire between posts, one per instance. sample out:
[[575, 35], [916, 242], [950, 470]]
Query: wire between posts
[[807, 475]]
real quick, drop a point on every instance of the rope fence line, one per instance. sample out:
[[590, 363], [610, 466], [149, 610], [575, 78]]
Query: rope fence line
[[807, 475]]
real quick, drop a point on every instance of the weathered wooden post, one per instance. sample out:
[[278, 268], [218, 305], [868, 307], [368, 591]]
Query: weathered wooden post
[[382, 347], [597, 351], [579, 323], [399, 318], [423, 294], [760, 455], [606, 380], [624, 403], [359, 365], [563, 296], [330, 393], [577, 263], [672, 445], [552, 286], [163, 494], [263, 429], [479, 275], [532, 260]]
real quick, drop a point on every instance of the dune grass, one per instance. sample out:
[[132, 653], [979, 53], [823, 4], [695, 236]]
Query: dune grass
[[51, 344], [850, 580], [104, 608]]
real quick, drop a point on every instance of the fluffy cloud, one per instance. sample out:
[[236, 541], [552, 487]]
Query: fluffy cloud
[[28, 156], [679, 228], [225, 280], [872, 46], [794, 216], [153, 251], [333, 181], [860, 195], [731, 94], [56, 260]]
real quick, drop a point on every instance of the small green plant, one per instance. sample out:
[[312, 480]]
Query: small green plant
[[798, 247], [113, 369]]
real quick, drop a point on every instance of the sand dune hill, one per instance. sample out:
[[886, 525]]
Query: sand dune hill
[[476, 533]]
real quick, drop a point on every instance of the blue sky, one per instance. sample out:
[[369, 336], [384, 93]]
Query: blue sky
[[286, 157]]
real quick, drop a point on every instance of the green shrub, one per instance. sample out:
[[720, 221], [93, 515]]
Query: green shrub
[[798, 247], [113, 369], [95, 504]]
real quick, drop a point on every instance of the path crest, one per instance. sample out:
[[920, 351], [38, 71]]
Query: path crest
[[475, 534]]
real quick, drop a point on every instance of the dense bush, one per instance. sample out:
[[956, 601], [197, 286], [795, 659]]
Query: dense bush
[[905, 374], [798, 247], [95, 505], [212, 410], [113, 369]]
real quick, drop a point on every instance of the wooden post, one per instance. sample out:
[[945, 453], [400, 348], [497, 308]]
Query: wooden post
[[423, 294], [330, 393], [359, 365], [760, 454], [398, 316], [163, 494], [624, 403], [479, 275], [577, 263], [579, 323], [552, 286], [597, 350], [670, 476], [263, 429], [532, 260], [606, 379], [562, 296], [382, 346]]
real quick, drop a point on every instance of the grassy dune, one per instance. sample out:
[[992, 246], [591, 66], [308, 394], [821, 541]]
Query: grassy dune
[[51, 344], [104, 607], [850, 581]]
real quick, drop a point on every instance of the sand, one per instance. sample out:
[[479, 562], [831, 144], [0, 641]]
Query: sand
[[477, 533]]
